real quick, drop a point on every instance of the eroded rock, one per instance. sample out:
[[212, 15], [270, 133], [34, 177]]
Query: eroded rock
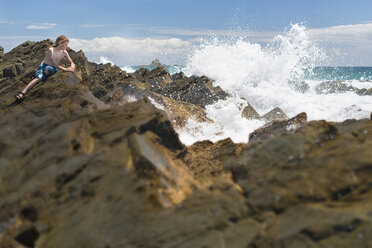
[[79, 171], [274, 115], [250, 113], [277, 127]]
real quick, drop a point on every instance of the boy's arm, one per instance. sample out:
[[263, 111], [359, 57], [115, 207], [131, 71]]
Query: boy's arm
[[72, 64]]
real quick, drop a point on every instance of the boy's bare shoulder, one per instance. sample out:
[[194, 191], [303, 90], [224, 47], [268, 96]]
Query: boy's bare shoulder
[[50, 50]]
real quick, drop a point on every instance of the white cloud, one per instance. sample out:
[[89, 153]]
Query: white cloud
[[38, 26], [7, 22], [346, 44], [125, 51], [359, 33], [257, 36], [94, 26]]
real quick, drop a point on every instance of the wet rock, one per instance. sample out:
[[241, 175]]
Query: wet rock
[[178, 76], [275, 114], [159, 75], [196, 90], [364, 92], [142, 73], [276, 127], [180, 112], [155, 63], [330, 87], [178, 95], [299, 86], [250, 113], [159, 71], [296, 157]]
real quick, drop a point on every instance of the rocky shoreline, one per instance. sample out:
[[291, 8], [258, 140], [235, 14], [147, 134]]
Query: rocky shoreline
[[89, 160]]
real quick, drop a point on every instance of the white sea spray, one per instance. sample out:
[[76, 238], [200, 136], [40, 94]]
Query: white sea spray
[[265, 76]]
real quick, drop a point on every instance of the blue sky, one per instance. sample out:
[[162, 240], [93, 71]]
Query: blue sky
[[171, 27]]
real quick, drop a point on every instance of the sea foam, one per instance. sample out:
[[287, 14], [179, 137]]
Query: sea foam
[[265, 77]]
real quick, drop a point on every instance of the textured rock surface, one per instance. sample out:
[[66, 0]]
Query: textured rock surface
[[87, 160], [340, 87], [250, 113], [275, 115], [278, 127]]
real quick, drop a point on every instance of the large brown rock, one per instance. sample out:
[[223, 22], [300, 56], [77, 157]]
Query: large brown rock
[[64, 140], [196, 90], [277, 127], [275, 115], [76, 171], [250, 113]]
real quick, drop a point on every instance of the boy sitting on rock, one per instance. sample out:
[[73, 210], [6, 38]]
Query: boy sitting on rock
[[50, 64]]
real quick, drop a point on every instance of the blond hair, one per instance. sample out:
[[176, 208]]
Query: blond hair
[[60, 39]]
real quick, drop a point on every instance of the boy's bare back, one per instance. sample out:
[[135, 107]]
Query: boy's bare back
[[53, 56]]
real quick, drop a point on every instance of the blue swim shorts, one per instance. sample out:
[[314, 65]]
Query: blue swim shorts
[[44, 71]]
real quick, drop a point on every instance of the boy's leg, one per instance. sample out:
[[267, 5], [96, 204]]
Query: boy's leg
[[29, 86]]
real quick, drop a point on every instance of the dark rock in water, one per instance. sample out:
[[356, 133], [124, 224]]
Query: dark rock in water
[[340, 87], [141, 74], [299, 86], [277, 127], [116, 87], [179, 76], [275, 114], [155, 63], [159, 76], [196, 90], [77, 171], [364, 92], [330, 87], [250, 113], [159, 72]]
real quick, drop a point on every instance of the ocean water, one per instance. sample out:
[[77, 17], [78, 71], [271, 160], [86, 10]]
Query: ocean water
[[285, 73]]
